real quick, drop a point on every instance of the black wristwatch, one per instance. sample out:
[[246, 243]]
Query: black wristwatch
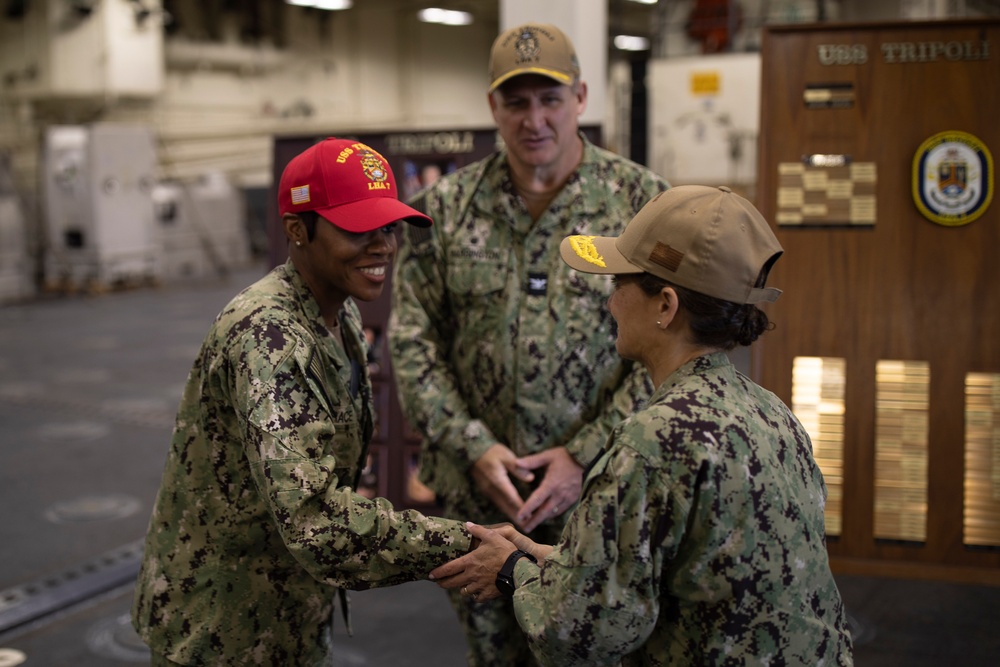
[[505, 577]]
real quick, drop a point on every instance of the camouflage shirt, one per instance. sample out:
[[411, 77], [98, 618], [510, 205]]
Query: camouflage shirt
[[256, 523], [494, 338], [699, 540]]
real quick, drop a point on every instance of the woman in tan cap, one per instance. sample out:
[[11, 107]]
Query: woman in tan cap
[[699, 539]]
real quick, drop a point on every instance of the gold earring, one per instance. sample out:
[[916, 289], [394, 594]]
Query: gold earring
[[657, 322]]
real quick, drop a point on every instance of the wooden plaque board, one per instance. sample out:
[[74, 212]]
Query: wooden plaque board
[[874, 278]]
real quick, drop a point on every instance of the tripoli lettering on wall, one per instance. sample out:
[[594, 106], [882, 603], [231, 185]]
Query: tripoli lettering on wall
[[442, 143], [905, 52]]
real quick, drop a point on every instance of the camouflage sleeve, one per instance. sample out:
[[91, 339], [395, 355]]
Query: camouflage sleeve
[[596, 597], [420, 338], [291, 442]]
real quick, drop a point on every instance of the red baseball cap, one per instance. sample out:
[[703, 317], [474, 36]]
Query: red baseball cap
[[346, 182]]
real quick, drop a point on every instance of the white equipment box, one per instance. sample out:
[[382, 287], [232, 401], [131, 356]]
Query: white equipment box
[[201, 228], [97, 198], [705, 119]]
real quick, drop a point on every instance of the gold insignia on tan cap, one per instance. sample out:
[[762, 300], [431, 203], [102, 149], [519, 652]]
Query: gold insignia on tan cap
[[584, 247]]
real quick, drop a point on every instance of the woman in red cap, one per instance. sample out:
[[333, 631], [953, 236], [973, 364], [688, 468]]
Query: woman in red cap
[[257, 523]]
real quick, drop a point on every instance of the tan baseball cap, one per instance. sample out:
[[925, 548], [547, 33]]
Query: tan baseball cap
[[533, 48], [706, 239]]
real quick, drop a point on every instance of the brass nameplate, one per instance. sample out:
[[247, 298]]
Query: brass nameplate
[[828, 95]]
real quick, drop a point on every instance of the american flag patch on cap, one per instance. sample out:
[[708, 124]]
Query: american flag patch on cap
[[300, 195]]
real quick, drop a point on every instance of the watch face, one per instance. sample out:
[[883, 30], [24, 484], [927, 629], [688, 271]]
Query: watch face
[[505, 577], [505, 585]]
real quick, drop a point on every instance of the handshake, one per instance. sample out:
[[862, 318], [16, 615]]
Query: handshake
[[486, 572]]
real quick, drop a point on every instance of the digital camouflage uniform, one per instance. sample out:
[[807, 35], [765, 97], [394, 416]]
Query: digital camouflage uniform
[[495, 339], [699, 540], [256, 523]]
